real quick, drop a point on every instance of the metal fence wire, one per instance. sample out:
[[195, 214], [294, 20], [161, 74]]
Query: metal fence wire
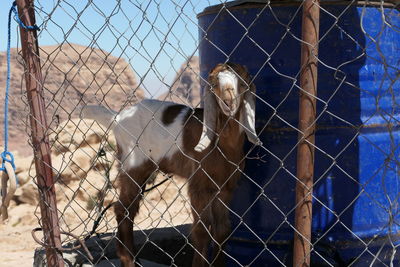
[[338, 204]]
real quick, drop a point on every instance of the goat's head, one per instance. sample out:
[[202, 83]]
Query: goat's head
[[231, 89]]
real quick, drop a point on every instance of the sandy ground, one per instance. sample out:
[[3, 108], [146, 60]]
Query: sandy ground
[[162, 207], [16, 243]]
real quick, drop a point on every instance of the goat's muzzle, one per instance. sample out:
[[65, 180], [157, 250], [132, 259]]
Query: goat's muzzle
[[229, 106]]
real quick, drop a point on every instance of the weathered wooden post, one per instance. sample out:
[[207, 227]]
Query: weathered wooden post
[[40, 141], [305, 150]]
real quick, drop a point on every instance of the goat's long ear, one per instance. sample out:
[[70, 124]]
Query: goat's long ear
[[248, 116], [209, 120]]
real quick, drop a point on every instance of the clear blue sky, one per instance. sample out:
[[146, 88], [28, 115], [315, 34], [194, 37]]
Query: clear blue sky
[[157, 33]]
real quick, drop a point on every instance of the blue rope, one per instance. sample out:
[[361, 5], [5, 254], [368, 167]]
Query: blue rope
[[7, 156], [17, 19]]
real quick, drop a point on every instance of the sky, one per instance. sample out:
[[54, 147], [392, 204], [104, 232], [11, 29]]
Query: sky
[[155, 36]]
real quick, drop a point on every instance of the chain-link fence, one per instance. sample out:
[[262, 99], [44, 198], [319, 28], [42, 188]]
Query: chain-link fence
[[319, 168]]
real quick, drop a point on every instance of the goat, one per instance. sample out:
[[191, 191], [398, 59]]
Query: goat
[[204, 145]]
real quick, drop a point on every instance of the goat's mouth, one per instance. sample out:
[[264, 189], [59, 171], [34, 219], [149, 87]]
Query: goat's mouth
[[228, 107]]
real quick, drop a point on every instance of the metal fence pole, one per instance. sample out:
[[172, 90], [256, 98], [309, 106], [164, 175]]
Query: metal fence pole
[[41, 147], [305, 151]]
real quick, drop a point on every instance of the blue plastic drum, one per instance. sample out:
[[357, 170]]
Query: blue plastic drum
[[357, 165]]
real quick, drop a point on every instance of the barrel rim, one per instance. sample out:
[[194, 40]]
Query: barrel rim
[[236, 5]]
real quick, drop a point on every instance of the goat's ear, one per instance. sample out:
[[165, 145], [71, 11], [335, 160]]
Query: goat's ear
[[209, 119], [248, 116]]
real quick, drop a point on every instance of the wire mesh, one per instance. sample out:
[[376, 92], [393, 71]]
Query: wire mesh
[[117, 54]]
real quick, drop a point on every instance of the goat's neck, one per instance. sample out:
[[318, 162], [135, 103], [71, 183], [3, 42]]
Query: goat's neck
[[231, 134]]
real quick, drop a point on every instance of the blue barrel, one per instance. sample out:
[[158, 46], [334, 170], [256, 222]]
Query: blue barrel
[[356, 212]]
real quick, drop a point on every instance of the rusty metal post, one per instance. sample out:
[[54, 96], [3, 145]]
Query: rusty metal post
[[305, 150], [40, 141]]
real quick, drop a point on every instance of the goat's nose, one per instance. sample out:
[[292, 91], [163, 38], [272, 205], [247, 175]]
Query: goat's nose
[[229, 93], [230, 90], [228, 103]]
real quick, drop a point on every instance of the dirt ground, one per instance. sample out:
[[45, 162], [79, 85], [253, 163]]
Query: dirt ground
[[17, 245]]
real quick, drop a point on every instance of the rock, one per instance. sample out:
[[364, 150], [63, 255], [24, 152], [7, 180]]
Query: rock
[[73, 75], [26, 176], [76, 133], [24, 164], [61, 171], [27, 194], [25, 170], [186, 86]]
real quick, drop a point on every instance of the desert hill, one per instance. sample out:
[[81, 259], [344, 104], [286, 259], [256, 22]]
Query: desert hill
[[73, 75], [185, 87]]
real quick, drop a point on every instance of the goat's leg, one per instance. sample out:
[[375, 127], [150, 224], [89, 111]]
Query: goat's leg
[[220, 228], [126, 208], [200, 235]]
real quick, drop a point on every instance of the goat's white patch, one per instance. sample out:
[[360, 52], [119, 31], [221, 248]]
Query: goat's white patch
[[141, 135], [130, 112], [228, 79]]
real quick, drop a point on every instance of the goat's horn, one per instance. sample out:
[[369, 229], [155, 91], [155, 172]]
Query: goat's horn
[[248, 117], [209, 120]]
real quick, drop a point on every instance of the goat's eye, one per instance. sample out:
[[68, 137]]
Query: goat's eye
[[243, 84]]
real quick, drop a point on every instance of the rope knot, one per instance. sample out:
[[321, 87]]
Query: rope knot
[[18, 20], [7, 156]]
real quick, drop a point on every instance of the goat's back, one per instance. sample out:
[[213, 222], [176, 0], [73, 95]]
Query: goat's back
[[150, 130]]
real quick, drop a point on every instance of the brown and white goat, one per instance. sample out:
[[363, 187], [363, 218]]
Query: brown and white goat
[[204, 145]]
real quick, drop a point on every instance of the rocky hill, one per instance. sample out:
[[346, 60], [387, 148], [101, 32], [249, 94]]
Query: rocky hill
[[185, 88], [73, 75]]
